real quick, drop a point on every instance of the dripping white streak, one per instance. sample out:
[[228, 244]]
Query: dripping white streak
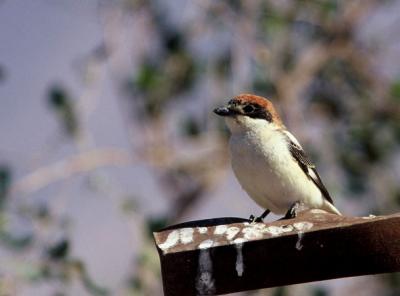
[[239, 259], [204, 281]]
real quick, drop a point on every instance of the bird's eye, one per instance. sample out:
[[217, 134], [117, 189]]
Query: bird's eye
[[248, 109]]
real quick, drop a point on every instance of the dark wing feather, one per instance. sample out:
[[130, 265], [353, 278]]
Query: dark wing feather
[[308, 167]]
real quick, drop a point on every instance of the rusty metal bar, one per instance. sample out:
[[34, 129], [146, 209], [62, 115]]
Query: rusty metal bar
[[219, 256]]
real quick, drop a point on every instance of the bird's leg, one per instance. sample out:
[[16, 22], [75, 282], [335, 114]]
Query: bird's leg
[[264, 214], [253, 219], [292, 212]]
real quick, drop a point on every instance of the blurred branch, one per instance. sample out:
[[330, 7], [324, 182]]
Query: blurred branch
[[81, 163]]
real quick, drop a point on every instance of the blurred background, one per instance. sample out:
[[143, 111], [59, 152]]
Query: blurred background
[[107, 131]]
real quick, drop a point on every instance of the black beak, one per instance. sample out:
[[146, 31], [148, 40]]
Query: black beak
[[223, 111]]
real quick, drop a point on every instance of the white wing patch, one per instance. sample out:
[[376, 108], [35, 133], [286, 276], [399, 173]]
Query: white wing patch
[[312, 174]]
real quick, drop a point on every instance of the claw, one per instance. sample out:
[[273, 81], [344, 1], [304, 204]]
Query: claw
[[292, 212], [254, 219], [260, 219]]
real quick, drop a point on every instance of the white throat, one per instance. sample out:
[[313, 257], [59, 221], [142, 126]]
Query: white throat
[[241, 125]]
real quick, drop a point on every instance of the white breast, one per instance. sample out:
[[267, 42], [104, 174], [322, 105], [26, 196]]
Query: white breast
[[267, 171]]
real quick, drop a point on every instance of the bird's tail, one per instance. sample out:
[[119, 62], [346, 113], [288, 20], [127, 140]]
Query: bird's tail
[[331, 208]]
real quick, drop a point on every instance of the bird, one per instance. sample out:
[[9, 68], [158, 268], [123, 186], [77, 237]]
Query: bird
[[269, 162]]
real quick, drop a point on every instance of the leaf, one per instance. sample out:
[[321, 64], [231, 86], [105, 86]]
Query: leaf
[[58, 97], [395, 90], [320, 292], [59, 250], [61, 102], [2, 73], [191, 127], [155, 224], [280, 291], [173, 40], [135, 283], [148, 77], [5, 182]]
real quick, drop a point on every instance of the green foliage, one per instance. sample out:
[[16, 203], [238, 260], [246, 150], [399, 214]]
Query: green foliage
[[264, 86], [172, 40], [190, 127], [393, 282], [280, 291], [148, 77], [271, 22], [135, 284], [395, 90], [2, 73], [396, 196], [320, 291], [5, 182], [262, 83], [156, 84], [35, 272], [163, 76], [59, 250], [356, 183], [367, 144], [60, 101], [328, 8], [155, 224], [342, 78]]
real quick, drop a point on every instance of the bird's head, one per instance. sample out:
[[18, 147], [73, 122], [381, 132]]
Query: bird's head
[[249, 112]]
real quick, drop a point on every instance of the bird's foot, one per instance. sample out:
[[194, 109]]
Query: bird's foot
[[253, 219], [293, 210]]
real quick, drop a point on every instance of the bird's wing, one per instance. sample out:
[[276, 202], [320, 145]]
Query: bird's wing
[[306, 165]]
